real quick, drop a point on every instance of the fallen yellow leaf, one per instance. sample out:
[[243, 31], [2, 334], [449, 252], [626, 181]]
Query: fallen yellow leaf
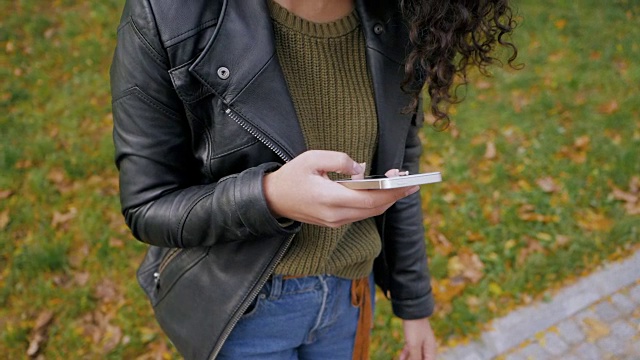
[[4, 219], [593, 221], [595, 329], [495, 289], [560, 24], [446, 290]]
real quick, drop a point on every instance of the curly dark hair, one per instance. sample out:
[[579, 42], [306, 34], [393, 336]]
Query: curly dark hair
[[447, 36]]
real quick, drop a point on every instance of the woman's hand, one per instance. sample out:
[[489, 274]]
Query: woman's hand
[[301, 190], [420, 342]]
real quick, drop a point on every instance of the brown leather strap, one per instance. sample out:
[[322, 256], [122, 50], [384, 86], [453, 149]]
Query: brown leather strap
[[361, 297]]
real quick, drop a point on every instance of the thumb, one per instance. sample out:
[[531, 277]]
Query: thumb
[[322, 161]]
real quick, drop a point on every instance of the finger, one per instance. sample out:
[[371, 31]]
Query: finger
[[412, 353], [430, 349], [392, 173], [322, 161], [339, 217], [372, 199], [404, 354], [427, 352], [360, 176]]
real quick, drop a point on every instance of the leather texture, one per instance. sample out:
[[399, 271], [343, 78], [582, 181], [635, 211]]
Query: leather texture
[[192, 148]]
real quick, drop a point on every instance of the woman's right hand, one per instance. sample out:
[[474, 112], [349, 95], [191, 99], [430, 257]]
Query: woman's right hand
[[301, 190]]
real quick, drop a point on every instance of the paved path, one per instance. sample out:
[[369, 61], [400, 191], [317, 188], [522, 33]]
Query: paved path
[[597, 318]]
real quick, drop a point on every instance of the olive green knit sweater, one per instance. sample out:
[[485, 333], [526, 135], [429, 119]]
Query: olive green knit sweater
[[325, 69]]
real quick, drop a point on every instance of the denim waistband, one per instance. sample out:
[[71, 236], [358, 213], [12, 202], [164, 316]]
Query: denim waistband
[[279, 285]]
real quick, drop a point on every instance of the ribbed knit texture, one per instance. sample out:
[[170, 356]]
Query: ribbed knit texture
[[325, 69]]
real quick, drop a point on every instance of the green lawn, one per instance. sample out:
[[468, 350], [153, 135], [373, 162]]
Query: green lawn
[[541, 170]]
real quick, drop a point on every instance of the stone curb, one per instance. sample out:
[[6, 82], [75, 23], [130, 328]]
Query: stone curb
[[522, 324]]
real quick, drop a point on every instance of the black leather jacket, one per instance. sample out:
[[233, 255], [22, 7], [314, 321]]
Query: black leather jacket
[[201, 112]]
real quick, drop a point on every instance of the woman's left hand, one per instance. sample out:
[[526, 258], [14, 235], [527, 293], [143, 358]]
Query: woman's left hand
[[420, 342]]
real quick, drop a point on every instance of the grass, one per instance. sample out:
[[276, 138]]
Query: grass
[[506, 227]]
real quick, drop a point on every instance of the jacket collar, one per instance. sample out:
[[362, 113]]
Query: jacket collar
[[244, 44]]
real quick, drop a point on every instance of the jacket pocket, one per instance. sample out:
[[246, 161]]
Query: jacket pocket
[[148, 269], [175, 264]]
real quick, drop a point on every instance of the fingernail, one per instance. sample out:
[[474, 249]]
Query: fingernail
[[358, 168]]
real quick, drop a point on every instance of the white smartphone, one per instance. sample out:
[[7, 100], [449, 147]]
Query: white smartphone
[[383, 182]]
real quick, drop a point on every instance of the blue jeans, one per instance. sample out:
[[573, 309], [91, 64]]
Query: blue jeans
[[301, 318]]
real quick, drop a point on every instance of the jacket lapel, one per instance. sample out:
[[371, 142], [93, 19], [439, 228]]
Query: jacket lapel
[[244, 44], [255, 88]]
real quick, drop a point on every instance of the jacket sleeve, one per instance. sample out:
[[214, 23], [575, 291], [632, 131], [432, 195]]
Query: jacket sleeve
[[409, 281], [164, 199]]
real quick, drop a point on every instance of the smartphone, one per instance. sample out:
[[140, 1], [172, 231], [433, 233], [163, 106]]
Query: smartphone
[[383, 182]]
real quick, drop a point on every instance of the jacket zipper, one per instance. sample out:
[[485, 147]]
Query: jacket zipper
[[258, 135], [165, 261], [254, 292]]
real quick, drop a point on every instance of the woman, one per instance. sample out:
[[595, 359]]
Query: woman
[[232, 118]]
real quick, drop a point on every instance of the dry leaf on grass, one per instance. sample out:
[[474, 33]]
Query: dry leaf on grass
[[560, 24], [78, 255], [81, 278], [562, 240], [491, 152], [634, 184], [98, 327], [621, 195], [441, 244], [582, 143], [631, 198], [59, 179], [632, 209], [533, 247], [578, 152], [39, 333], [116, 243], [467, 265], [24, 164], [446, 290], [4, 219], [548, 184], [527, 213], [474, 236], [61, 219], [594, 221], [5, 194], [609, 108], [157, 350], [56, 175], [111, 338], [106, 291]]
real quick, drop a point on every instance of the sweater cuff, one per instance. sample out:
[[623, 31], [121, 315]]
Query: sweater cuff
[[414, 308]]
